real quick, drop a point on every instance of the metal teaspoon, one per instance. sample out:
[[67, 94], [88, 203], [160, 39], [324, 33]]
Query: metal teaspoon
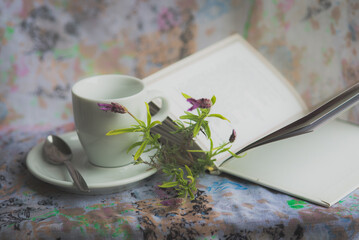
[[56, 151]]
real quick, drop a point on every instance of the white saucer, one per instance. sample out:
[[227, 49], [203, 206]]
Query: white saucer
[[99, 180]]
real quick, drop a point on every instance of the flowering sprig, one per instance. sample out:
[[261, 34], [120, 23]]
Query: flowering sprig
[[173, 158], [198, 121], [182, 186], [148, 139], [207, 161]]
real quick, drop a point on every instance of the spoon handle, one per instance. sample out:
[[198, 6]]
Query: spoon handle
[[76, 176]]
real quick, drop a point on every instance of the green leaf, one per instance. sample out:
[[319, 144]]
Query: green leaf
[[221, 146], [141, 123], [218, 116], [186, 96], [191, 194], [205, 111], [195, 151], [155, 123], [189, 113], [189, 172], [192, 180], [222, 150], [156, 136], [168, 185], [213, 100], [149, 149], [138, 161], [197, 128], [235, 155], [192, 185], [189, 117], [181, 173], [183, 194], [133, 146], [179, 123], [141, 149], [148, 114], [206, 128], [121, 131]]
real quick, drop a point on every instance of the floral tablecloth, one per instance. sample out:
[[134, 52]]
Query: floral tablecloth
[[224, 208], [46, 46]]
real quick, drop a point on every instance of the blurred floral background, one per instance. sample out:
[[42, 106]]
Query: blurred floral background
[[46, 46]]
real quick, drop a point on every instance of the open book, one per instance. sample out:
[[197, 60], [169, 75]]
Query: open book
[[261, 104]]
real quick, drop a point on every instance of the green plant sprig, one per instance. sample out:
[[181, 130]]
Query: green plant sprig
[[148, 139], [173, 159]]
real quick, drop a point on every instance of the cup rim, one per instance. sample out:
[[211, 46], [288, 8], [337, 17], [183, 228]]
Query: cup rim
[[74, 93]]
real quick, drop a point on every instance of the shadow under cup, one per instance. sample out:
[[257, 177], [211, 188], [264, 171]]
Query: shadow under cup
[[92, 123]]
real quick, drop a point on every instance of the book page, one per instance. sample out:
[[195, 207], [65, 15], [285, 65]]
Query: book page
[[316, 167], [249, 93]]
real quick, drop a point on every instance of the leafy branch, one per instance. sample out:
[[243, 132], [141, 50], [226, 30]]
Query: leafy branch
[[173, 159]]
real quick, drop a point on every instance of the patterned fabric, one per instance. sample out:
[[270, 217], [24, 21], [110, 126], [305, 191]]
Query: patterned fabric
[[314, 44], [224, 208], [46, 46]]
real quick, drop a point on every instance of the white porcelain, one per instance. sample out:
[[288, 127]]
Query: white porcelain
[[92, 123], [100, 180]]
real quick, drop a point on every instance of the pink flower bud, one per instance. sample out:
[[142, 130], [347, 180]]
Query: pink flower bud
[[113, 107], [199, 103], [233, 136]]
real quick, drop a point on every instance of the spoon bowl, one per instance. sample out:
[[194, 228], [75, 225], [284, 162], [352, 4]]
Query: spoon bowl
[[56, 151]]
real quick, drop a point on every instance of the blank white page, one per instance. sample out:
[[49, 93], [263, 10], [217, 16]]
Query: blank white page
[[250, 92], [321, 167]]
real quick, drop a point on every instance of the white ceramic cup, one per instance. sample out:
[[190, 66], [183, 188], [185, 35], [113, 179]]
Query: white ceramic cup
[[92, 123]]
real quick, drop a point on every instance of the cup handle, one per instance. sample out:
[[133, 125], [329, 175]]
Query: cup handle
[[162, 114]]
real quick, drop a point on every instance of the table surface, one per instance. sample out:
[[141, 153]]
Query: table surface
[[224, 208]]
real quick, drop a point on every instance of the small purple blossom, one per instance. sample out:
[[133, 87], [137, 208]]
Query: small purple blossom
[[233, 136], [113, 107], [199, 103], [173, 202]]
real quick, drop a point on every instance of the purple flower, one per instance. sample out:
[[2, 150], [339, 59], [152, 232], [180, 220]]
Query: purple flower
[[199, 103], [233, 136], [113, 107]]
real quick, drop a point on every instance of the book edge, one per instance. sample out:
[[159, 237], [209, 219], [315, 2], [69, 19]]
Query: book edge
[[312, 199]]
